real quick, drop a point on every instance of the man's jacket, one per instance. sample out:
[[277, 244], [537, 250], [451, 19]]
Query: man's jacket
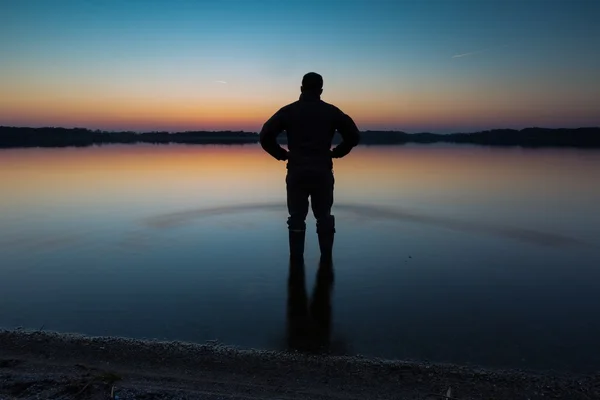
[[310, 124]]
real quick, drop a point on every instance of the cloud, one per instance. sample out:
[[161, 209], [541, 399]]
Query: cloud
[[472, 53], [221, 82], [469, 54]]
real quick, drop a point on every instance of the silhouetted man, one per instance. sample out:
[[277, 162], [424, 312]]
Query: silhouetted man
[[310, 124]]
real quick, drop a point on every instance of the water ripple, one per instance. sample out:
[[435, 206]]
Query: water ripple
[[170, 220]]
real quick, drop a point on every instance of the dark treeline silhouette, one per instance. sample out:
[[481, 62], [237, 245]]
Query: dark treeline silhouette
[[528, 137], [63, 137]]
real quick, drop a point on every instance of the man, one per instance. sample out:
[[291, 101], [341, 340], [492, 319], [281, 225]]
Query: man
[[310, 124]]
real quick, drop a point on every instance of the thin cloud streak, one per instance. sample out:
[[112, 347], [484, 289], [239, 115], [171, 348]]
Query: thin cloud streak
[[472, 53], [221, 82], [469, 54]]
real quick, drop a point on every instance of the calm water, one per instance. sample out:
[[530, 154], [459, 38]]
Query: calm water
[[456, 254]]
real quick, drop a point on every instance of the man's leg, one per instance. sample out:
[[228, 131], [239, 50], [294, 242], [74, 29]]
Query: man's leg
[[322, 200], [297, 203]]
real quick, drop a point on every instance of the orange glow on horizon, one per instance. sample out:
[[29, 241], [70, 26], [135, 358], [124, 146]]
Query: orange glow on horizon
[[230, 174], [241, 107]]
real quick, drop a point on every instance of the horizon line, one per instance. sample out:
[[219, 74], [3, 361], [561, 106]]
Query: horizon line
[[257, 132]]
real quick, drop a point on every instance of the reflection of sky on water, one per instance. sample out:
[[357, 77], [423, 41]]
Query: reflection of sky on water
[[448, 253]]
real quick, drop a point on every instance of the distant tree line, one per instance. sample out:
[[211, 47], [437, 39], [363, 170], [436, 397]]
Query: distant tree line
[[62, 137], [529, 137]]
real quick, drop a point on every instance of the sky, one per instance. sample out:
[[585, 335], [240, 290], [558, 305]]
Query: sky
[[419, 65]]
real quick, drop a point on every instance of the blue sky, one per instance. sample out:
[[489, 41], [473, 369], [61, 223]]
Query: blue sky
[[411, 65]]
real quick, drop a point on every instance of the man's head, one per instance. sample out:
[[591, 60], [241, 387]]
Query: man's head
[[312, 83]]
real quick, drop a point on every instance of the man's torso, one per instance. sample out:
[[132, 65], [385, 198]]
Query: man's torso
[[310, 124]]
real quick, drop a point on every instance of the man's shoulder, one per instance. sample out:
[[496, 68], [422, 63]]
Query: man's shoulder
[[298, 105], [288, 107], [331, 107]]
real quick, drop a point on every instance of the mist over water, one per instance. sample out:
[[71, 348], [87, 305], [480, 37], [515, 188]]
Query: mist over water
[[447, 253]]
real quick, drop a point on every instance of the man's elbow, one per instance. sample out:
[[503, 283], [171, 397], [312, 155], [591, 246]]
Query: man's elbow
[[352, 139], [263, 142], [356, 139], [264, 139]]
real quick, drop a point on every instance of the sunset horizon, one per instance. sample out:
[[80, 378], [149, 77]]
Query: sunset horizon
[[257, 131], [415, 67]]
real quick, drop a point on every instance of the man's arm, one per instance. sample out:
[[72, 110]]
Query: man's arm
[[268, 136], [350, 136]]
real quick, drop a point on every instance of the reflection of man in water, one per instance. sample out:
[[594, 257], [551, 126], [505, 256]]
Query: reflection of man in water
[[309, 325], [310, 124]]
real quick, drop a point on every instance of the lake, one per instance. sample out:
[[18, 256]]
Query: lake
[[446, 253]]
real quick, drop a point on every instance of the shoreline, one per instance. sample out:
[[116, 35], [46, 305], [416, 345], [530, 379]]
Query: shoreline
[[43, 364], [583, 137]]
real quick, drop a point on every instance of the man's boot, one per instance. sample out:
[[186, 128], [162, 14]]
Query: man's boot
[[326, 245], [297, 244]]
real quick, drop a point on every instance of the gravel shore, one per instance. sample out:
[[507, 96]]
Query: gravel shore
[[46, 365]]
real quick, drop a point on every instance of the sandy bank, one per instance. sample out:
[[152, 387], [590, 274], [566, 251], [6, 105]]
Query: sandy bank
[[45, 365]]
